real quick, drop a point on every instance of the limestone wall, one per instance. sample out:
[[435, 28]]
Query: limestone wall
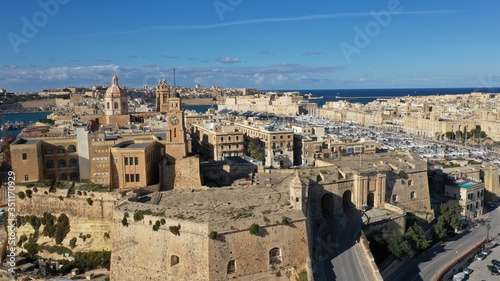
[[416, 182], [138, 250], [75, 206]]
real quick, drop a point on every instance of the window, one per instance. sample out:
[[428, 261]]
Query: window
[[132, 178], [63, 177], [61, 164], [108, 105], [231, 267], [116, 105], [410, 182], [60, 149], [25, 156], [73, 162], [126, 160], [49, 150], [174, 260], [49, 164], [274, 256], [127, 178], [412, 195], [137, 160], [394, 198], [26, 177], [136, 177], [71, 148]]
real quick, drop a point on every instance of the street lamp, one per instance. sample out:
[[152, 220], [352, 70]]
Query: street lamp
[[488, 226]]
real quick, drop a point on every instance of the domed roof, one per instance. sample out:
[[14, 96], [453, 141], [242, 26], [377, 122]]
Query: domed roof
[[174, 95], [114, 90]]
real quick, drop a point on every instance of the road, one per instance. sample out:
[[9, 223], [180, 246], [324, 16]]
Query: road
[[338, 237], [426, 266]]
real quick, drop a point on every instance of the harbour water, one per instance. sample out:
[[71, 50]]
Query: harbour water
[[26, 117]]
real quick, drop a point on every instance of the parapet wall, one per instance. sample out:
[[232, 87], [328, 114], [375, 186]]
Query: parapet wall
[[138, 250], [75, 206]]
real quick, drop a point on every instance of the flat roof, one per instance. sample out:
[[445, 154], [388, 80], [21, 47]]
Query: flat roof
[[140, 145]]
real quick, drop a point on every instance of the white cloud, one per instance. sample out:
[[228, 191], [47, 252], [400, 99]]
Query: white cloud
[[228, 60], [284, 75]]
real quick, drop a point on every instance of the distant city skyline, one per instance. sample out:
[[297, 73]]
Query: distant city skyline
[[254, 44]]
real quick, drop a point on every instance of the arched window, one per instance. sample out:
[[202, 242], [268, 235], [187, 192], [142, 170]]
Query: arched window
[[49, 164], [71, 148], [73, 162], [60, 149], [63, 177], [394, 198], [61, 164], [275, 256], [73, 176], [174, 260], [116, 105], [412, 195], [107, 105], [477, 205], [49, 150], [231, 267]]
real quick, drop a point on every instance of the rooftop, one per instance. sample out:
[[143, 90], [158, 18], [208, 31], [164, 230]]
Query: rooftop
[[128, 145], [227, 208]]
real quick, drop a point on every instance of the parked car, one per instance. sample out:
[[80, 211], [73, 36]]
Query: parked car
[[468, 271], [486, 252], [481, 257], [494, 270], [491, 204], [496, 263]]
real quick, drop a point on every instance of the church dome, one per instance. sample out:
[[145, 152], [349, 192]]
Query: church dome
[[174, 95], [114, 90]]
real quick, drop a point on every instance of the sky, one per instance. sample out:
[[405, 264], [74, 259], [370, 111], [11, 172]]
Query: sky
[[277, 44]]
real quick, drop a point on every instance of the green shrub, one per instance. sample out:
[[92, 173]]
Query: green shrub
[[402, 174], [35, 189], [124, 221], [254, 229], [175, 229], [213, 235], [90, 201], [138, 216], [21, 195], [79, 193], [30, 185], [72, 242], [61, 198], [285, 221]]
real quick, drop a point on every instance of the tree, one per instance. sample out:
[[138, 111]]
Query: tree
[[90, 201], [416, 236], [213, 235], [62, 228], [396, 243], [448, 219], [450, 135]]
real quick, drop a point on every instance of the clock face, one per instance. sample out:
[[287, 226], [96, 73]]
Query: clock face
[[174, 120]]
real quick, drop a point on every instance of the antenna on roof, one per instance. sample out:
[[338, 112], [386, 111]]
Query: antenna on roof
[[174, 76]]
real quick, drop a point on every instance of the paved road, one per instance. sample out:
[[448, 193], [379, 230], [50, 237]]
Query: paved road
[[425, 266], [339, 236]]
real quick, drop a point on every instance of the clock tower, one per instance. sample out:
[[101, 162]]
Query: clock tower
[[176, 133]]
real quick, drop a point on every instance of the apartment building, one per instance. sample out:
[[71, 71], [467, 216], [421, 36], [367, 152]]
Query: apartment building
[[276, 142], [217, 141]]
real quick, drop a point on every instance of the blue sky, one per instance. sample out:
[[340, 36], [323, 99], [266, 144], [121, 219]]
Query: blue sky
[[278, 44]]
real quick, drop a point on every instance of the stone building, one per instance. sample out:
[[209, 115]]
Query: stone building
[[276, 142], [217, 141], [469, 192], [373, 180], [205, 235], [116, 104]]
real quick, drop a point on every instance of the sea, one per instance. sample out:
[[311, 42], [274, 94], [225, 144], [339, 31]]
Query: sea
[[363, 96], [18, 117]]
